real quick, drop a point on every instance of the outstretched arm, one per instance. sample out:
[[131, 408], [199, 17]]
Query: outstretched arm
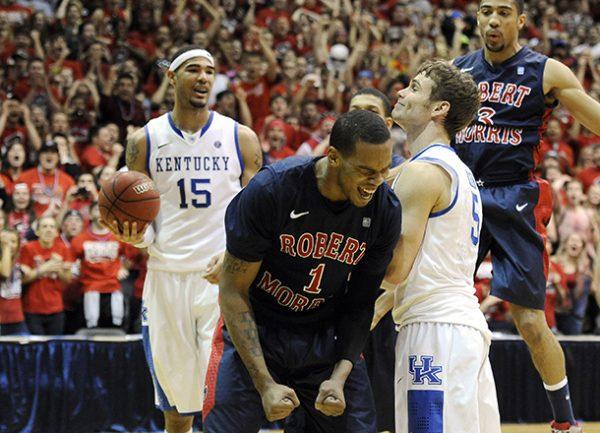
[[561, 83]]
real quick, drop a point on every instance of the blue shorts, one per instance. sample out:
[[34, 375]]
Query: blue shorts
[[380, 356], [300, 360], [514, 231]]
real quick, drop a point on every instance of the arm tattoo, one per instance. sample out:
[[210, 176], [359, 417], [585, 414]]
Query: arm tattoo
[[234, 265], [249, 334], [258, 159], [131, 154]]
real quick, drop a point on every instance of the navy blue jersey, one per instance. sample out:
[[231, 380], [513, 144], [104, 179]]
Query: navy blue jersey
[[501, 144], [308, 244]]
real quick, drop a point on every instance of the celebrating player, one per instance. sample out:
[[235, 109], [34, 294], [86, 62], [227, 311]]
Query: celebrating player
[[443, 375], [519, 88], [308, 241], [198, 160]]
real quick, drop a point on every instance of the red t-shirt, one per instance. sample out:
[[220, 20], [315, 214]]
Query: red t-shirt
[[10, 133], [43, 295], [259, 97], [11, 306], [100, 261], [45, 187], [92, 157], [75, 67], [139, 261], [588, 176]]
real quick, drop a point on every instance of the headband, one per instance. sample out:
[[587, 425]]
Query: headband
[[184, 57]]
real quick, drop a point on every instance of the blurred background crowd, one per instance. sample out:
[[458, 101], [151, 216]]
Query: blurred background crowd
[[77, 76]]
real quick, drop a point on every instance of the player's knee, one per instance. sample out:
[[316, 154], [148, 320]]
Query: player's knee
[[531, 324], [176, 423]]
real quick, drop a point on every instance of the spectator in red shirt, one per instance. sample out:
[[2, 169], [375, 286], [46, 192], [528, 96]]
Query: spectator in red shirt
[[12, 319], [12, 165], [267, 14], [589, 175], [46, 265], [553, 140], [21, 215], [35, 89], [137, 260], [81, 197], [102, 151], [15, 121], [57, 58], [48, 184], [99, 254], [276, 144]]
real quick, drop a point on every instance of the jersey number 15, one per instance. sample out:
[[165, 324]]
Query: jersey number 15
[[200, 197]]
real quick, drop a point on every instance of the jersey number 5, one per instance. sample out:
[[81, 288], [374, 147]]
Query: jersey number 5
[[203, 195]]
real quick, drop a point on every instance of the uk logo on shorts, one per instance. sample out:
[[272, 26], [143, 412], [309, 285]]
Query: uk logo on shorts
[[424, 371]]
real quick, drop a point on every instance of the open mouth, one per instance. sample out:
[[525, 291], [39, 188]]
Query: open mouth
[[201, 92], [364, 193]]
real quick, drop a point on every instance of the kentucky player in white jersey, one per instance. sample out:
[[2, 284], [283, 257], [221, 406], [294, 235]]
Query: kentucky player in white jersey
[[444, 380], [199, 160]]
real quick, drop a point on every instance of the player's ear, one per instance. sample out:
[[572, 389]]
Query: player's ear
[[171, 76], [389, 122], [521, 21], [333, 157], [440, 109]]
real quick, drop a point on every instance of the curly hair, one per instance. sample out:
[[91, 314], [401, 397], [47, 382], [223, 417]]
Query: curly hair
[[455, 87]]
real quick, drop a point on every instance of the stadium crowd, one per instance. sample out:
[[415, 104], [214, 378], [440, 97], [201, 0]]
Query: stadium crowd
[[77, 77]]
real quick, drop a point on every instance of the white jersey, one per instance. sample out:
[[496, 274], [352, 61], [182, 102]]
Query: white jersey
[[197, 175], [439, 287]]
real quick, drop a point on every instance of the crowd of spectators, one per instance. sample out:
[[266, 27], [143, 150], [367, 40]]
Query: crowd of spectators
[[76, 77]]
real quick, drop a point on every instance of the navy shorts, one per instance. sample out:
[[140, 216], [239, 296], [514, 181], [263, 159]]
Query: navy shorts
[[514, 231], [301, 360], [380, 356]]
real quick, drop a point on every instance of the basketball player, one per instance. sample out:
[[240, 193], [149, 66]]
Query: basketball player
[[295, 292], [198, 160], [443, 374], [379, 348], [519, 88]]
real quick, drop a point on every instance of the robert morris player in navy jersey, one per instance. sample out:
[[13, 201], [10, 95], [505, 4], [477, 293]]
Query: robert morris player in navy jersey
[[308, 243]]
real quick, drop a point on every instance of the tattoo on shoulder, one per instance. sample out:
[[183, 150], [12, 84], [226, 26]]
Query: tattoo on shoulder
[[131, 153], [233, 265]]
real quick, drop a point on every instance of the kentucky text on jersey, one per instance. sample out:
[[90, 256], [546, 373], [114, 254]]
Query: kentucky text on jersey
[[191, 163]]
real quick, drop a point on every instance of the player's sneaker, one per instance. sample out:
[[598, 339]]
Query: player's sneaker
[[565, 427]]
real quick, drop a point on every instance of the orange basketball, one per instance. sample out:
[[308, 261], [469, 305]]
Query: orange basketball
[[129, 196]]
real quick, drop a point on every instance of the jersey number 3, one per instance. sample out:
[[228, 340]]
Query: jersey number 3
[[201, 196]]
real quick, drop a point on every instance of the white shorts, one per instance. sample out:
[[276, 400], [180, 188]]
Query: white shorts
[[444, 381], [179, 315]]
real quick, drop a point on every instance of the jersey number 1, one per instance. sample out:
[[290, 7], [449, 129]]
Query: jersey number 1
[[203, 195], [314, 286]]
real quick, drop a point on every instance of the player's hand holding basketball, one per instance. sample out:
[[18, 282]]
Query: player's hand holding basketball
[[279, 401], [129, 234], [330, 400]]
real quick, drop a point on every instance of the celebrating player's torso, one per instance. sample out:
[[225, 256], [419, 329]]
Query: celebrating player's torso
[[439, 287], [500, 146], [197, 176]]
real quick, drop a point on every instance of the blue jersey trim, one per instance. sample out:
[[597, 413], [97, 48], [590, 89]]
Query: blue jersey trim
[[237, 145], [178, 131], [429, 147], [173, 126], [446, 167], [208, 123], [148, 147]]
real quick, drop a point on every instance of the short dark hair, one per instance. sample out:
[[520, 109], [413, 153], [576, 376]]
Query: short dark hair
[[358, 126], [125, 76], [455, 87], [520, 4], [387, 106]]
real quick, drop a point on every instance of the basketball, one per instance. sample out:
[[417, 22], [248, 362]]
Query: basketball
[[129, 196]]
